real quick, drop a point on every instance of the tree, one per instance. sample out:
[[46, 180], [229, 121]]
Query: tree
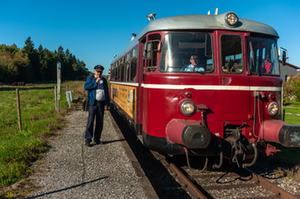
[[14, 65], [30, 64], [33, 58], [291, 88], [49, 65]]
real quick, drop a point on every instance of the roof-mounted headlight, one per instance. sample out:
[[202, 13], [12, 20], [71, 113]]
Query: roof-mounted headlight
[[231, 18]]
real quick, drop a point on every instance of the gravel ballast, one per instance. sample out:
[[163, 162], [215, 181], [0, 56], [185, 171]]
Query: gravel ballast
[[72, 170]]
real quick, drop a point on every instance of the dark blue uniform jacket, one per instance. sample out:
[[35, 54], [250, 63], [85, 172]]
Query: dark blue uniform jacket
[[91, 86]]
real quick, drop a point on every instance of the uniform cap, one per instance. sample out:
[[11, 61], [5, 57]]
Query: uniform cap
[[99, 68]]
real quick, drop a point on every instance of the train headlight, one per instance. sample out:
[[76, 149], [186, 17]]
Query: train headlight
[[231, 18], [187, 108], [273, 108]]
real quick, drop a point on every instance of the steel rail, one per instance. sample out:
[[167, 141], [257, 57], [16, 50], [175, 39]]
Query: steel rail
[[273, 188], [183, 180], [196, 193], [186, 183]]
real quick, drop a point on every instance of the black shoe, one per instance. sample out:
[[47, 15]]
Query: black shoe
[[98, 142], [88, 143]]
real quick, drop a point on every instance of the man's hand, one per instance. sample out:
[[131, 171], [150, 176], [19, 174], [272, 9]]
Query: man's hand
[[98, 76]]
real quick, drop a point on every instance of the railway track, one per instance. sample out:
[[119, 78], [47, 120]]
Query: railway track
[[238, 183]]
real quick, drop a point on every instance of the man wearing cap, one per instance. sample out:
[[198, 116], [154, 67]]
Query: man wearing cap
[[97, 92]]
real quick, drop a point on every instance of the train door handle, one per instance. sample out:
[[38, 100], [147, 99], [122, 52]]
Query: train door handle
[[226, 80]]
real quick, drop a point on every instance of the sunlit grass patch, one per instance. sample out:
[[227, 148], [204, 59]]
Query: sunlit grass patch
[[292, 110], [39, 121], [292, 119]]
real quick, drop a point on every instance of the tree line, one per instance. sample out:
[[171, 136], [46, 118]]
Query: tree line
[[38, 65]]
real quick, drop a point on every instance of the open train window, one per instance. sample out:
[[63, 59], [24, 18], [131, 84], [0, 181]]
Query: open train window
[[151, 52], [187, 52], [232, 54]]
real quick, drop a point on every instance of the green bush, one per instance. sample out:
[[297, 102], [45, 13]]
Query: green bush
[[291, 89]]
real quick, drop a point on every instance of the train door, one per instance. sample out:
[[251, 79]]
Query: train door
[[234, 83], [140, 79], [149, 53]]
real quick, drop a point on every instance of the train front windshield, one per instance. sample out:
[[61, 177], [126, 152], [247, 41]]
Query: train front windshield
[[262, 56], [180, 50], [179, 47]]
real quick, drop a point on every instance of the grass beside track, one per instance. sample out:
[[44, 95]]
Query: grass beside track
[[292, 112], [290, 155], [40, 120]]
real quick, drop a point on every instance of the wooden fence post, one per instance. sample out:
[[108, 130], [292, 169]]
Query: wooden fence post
[[19, 110], [55, 94]]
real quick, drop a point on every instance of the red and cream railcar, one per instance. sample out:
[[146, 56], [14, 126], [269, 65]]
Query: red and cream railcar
[[231, 107]]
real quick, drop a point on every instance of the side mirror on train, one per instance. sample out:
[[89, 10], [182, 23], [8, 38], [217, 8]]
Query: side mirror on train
[[147, 52], [284, 55]]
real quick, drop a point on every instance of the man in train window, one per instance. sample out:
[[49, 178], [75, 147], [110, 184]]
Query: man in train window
[[194, 66]]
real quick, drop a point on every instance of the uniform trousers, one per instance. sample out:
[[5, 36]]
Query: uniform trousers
[[95, 110]]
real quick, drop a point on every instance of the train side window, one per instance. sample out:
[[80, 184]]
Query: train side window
[[127, 65], [113, 72], [231, 51], [116, 72], [151, 52], [122, 70], [119, 70], [133, 65], [119, 73]]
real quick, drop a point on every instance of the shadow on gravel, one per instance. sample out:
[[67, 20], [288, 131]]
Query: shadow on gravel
[[161, 180], [266, 165], [72, 187], [106, 142], [112, 141]]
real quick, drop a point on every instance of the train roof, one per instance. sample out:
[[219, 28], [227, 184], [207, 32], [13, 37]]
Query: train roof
[[200, 22]]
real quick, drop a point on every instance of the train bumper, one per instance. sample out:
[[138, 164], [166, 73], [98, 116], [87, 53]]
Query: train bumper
[[281, 132], [188, 133]]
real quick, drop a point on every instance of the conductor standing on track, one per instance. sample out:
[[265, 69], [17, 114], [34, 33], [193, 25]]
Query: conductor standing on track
[[98, 97]]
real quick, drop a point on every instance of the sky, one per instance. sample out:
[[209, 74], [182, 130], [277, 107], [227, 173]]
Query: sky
[[95, 31]]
